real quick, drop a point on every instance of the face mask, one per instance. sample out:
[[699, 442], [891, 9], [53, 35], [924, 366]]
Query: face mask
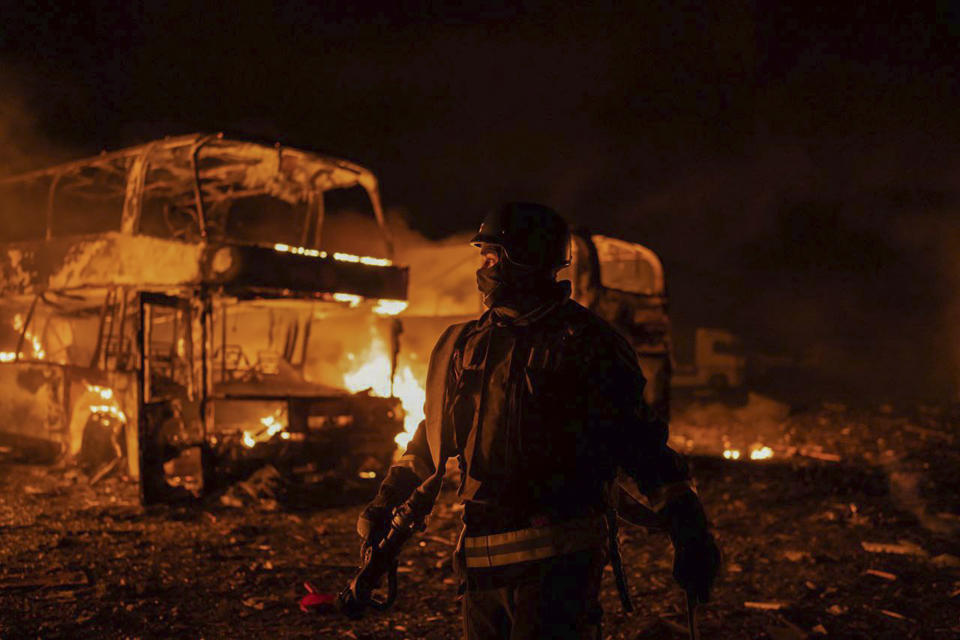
[[510, 284]]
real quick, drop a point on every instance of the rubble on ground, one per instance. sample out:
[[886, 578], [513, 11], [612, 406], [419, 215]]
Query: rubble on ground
[[813, 548]]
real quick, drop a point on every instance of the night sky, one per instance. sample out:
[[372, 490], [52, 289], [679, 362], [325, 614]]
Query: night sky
[[797, 168]]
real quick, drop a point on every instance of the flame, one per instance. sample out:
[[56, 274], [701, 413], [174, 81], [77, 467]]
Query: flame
[[373, 373], [108, 402], [342, 257], [300, 251], [762, 452], [350, 298], [270, 425], [386, 307], [38, 352], [757, 452]]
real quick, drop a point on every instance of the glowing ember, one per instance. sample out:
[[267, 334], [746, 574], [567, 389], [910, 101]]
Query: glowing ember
[[106, 403], [731, 454], [301, 251], [342, 257], [373, 373], [270, 426], [761, 453], [104, 392]]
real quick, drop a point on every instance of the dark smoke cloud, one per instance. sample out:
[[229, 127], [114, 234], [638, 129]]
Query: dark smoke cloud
[[843, 255], [23, 145]]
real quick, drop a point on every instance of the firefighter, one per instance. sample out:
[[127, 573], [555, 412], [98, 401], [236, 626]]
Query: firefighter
[[541, 403]]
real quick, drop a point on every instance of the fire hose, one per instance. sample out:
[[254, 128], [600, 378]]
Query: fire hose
[[380, 560]]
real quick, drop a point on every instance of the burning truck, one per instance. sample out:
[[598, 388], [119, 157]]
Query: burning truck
[[176, 309]]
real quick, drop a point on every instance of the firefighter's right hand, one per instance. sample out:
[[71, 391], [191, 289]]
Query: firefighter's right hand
[[374, 521]]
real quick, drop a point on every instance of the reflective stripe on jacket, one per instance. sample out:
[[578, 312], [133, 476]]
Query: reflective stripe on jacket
[[535, 543]]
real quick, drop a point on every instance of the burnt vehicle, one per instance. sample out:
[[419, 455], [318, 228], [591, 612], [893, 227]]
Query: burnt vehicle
[[176, 308], [621, 281]]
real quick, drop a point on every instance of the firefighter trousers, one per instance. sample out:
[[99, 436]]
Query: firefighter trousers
[[557, 600]]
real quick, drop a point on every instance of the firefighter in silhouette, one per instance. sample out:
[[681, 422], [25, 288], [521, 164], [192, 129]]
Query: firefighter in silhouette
[[541, 402]]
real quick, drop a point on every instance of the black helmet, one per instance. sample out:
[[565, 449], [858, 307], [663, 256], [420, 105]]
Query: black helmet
[[530, 234]]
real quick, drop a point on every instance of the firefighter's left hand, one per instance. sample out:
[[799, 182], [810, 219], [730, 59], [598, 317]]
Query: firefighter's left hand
[[374, 522], [696, 561]]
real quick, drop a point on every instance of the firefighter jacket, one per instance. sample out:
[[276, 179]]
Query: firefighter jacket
[[541, 411]]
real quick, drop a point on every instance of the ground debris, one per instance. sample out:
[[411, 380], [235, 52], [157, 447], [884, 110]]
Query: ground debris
[[210, 571], [784, 633], [56, 580], [881, 574], [259, 490], [892, 614], [902, 547], [945, 561], [766, 606]]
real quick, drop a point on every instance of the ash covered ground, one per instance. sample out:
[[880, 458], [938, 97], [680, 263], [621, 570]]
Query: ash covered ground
[[850, 530]]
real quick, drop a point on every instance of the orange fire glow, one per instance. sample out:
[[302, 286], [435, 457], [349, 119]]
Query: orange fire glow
[[38, 352], [106, 403], [372, 371], [761, 452], [270, 425], [342, 257]]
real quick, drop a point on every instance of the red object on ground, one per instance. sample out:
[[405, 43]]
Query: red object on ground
[[315, 602]]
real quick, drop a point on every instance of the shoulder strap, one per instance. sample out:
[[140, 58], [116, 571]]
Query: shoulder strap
[[438, 372]]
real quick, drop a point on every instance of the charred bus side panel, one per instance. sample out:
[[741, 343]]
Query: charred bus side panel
[[178, 300]]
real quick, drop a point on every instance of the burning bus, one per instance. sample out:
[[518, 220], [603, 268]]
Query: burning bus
[[178, 309]]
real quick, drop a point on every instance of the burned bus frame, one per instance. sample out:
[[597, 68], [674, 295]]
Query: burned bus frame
[[144, 295]]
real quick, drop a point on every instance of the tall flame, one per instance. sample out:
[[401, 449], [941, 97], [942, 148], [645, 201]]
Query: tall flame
[[373, 372]]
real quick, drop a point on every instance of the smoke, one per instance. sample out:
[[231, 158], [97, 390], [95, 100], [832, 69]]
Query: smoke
[[840, 254], [22, 145]]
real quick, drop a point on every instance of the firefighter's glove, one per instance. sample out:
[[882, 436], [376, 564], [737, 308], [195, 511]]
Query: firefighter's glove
[[374, 521], [696, 558]]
